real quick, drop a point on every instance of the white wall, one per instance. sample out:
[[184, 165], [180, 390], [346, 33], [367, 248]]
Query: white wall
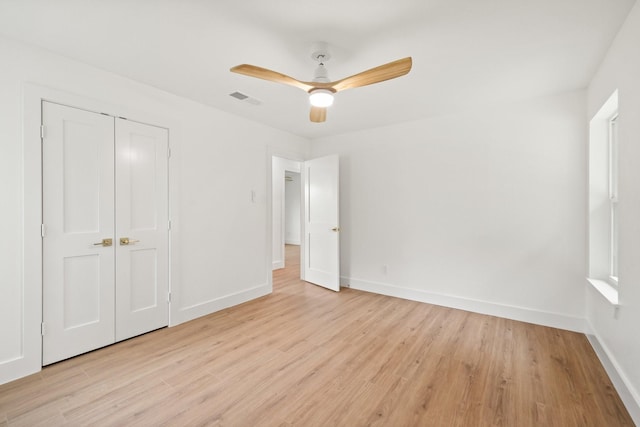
[[483, 210], [219, 238], [279, 166], [617, 333], [292, 203]]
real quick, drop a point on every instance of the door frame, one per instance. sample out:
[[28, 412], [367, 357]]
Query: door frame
[[30, 359]]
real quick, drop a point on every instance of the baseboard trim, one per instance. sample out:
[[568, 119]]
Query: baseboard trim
[[277, 265], [18, 367], [522, 314], [629, 395], [211, 306]]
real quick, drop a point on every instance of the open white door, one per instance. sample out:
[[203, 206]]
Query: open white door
[[78, 283], [321, 222], [142, 282]]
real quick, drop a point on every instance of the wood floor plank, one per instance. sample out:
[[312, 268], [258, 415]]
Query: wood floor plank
[[306, 356]]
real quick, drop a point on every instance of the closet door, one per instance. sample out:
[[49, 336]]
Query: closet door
[[78, 221], [141, 228], [105, 220]]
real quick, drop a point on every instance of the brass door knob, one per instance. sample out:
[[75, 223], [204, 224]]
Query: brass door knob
[[127, 241], [105, 242]]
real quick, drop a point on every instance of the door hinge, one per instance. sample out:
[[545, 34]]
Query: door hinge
[[169, 225], [42, 329], [42, 230], [168, 152], [41, 131], [169, 297]]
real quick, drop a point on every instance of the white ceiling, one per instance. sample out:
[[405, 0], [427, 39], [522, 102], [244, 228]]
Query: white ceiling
[[466, 53]]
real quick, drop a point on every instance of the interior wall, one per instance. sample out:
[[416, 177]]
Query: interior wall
[[482, 210], [616, 330], [292, 203], [219, 191]]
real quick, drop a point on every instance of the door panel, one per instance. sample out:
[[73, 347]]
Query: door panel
[[81, 290], [142, 217], [144, 267], [78, 275], [322, 242], [81, 158], [320, 260]]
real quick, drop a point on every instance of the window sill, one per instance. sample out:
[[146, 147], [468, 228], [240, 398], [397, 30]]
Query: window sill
[[606, 290]]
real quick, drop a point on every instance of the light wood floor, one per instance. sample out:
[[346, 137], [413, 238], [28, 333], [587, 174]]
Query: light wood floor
[[306, 356]]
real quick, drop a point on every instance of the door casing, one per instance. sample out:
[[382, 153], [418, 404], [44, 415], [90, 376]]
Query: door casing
[[28, 357]]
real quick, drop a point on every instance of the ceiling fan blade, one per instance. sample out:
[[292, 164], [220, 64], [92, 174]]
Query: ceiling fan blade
[[318, 114], [378, 74], [273, 76]]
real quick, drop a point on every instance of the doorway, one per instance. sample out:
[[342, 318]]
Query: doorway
[[292, 208], [292, 221], [286, 196], [318, 189]]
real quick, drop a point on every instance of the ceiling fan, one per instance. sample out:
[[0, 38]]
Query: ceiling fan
[[320, 89]]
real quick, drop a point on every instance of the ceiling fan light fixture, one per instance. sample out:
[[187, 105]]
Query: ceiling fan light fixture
[[321, 98], [321, 90]]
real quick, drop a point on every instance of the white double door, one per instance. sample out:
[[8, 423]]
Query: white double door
[[105, 230]]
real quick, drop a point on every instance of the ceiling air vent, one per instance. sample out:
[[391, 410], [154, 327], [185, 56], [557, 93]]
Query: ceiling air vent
[[238, 95], [245, 98]]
